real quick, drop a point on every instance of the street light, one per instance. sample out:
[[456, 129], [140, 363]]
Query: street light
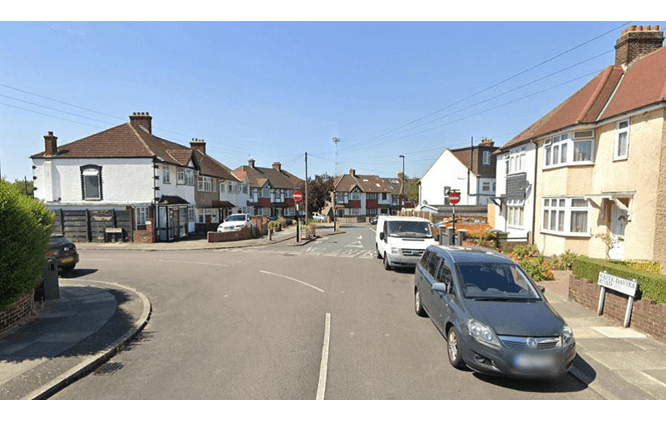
[[402, 182]]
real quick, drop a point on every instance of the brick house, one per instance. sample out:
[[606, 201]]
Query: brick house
[[270, 189], [366, 195], [600, 159]]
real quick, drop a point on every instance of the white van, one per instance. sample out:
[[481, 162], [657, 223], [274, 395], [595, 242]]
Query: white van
[[401, 241]]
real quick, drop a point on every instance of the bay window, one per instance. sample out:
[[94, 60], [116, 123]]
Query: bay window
[[569, 150], [566, 216]]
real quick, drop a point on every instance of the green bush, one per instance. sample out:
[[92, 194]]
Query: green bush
[[564, 261], [25, 228], [651, 285]]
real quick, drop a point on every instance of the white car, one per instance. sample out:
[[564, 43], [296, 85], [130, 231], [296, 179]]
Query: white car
[[318, 217], [235, 222]]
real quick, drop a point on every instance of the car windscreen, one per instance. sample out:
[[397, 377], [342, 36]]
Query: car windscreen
[[403, 228], [236, 218], [495, 281]]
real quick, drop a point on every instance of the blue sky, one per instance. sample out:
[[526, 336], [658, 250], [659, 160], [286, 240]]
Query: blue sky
[[272, 91]]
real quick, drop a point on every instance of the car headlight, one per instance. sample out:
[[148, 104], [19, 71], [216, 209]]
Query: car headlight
[[395, 251], [482, 332], [567, 336]]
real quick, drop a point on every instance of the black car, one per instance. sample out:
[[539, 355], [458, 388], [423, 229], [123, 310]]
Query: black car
[[493, 316], [64, 251]]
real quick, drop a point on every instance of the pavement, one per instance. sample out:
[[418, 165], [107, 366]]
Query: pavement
[[78, 333]]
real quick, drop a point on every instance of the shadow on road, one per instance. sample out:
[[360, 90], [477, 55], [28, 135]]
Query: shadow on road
[[77, 272]]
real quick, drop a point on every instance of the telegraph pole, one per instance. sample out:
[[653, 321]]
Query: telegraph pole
[[307, 218]]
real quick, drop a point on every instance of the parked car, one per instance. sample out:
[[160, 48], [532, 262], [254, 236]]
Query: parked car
[[373, 220], [400, 241], [64, 251], [272, 218], [235, 222], [493, 316], [318, 217]]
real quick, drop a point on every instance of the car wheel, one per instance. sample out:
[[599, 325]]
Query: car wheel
[[453, 349], [418, 307], [387, 266]]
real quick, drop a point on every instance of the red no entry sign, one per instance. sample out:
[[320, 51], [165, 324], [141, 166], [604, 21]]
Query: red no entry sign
[[298, 197], [454, 198]]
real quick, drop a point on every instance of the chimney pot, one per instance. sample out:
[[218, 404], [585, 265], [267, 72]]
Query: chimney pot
[[198, 144], [251, 162], [50, 144], [277, 166], [142, 119], [352, 172], [636, 42]]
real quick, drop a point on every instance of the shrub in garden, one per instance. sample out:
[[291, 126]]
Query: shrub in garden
[[25, 228]]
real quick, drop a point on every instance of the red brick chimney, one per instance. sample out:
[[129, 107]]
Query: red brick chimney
[[50, 144], [142, 119], [487, 142], [637, 41], [277, 166], [198, 144]]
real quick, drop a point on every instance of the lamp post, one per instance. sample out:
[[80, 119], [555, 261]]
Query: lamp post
[[402, 182]]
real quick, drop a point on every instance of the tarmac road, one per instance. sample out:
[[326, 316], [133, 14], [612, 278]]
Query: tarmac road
[[323, 320]]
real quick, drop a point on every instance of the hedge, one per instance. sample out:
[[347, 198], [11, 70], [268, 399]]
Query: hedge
[[650, 284], [25, 228]]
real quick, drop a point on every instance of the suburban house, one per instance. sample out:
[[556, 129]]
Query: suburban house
[[270, 189], [600, 159], [515, 195], [470, 170], [219, 192], [366, 195], [125, 178]]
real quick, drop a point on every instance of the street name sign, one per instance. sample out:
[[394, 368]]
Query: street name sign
[[622, 285]]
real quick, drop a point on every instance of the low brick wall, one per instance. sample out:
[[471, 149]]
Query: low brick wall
[[647, 316], [12, 316], [242, 234]]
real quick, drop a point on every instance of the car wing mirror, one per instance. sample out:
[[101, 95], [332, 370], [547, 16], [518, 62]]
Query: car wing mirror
[[440, 287], [542, 288], [381, 236]]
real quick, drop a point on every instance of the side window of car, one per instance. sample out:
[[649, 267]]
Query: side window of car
[[431, 265], [424, 258], [444, 274]]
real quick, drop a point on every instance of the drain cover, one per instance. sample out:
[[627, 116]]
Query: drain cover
[[108, 368]]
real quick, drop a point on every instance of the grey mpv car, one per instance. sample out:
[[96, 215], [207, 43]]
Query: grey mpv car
[[493, 316]]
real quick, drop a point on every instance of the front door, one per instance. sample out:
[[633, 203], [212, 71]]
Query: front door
[[618, 225]]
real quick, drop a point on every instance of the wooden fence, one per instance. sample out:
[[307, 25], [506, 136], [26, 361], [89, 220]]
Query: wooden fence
[[91, 225]]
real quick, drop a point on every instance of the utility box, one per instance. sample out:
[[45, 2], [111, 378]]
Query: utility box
[[49, 288]]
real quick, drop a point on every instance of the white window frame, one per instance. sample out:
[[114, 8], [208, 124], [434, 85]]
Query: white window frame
[[618, 133], [486, 158], [180, 176], [517, 159], [166, 175], [206, 184], [515, 214], [557, 216], [141, 215], [560, 150], [93, 172]]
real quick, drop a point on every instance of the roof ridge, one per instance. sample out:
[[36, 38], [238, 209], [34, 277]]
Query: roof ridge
[[597, 90], [138, 135]]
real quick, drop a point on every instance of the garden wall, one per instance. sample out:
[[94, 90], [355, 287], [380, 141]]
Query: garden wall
[[12, 315], [647, 316]]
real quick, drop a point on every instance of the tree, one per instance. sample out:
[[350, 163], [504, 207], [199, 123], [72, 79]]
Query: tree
[[319, 192], [25, 228], [411, 190]]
